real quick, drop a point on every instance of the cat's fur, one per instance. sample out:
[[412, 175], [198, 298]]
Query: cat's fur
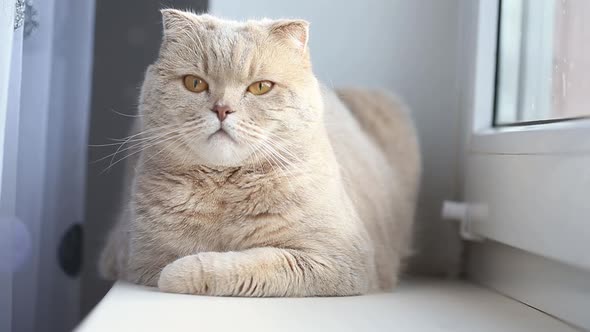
[[314, 194]]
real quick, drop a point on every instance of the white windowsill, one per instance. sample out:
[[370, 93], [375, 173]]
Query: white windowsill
[[417, 305]]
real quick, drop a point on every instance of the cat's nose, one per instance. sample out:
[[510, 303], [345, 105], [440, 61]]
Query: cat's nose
[[222, 111]]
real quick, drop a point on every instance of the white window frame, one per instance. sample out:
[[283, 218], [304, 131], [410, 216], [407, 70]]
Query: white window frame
[[528, 193], [541, 150]]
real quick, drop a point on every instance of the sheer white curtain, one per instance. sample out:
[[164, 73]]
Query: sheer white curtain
[[9, 100], [44, 127]]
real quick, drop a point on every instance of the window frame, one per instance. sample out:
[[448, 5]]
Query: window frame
[[541, 149], [519, 257]]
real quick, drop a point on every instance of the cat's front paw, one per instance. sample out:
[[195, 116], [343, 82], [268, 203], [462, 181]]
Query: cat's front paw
[[184, 275]]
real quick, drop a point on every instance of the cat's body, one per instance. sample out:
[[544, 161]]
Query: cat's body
[[321, 203]]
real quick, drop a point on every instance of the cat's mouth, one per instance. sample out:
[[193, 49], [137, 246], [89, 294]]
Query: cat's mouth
[[221, 134]]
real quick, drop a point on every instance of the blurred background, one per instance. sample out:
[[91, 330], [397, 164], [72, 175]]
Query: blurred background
[[75, 72]]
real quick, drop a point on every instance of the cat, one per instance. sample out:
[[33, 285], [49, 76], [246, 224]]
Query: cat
[[256, 180]]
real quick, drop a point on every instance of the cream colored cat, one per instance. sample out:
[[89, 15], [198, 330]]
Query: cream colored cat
[[254, 180]]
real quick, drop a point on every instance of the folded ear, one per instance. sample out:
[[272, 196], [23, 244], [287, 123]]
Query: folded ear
[[296, 31], [175, 20]]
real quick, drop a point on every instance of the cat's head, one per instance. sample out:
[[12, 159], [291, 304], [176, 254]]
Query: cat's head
[[226, 93]]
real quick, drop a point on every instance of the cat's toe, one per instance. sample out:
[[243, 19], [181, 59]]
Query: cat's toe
[[181, 276]]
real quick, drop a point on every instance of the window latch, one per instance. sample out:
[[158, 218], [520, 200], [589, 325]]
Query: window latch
[[463, 213]]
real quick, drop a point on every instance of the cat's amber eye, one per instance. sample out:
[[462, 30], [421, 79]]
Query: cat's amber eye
[[260, 87], [195, 83]]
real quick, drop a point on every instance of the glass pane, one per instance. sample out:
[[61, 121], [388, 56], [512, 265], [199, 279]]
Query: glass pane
[[543, 61]]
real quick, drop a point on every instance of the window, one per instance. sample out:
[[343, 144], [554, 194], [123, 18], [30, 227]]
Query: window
[[527, 163], [543, 61]]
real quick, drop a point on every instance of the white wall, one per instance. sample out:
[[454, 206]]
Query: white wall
[[411, 48]]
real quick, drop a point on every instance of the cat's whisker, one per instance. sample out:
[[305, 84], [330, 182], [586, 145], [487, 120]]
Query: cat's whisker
[[265, 135], [156, 141], [136, 152], [131, 137], [276, 150], [256, 159], [153, 138], [284, 168], [119, 150], [254, 153], [260, 148], [126, 115], [247, 136], [149, 130], [286, 163], [257, 150], [190, 137], [103, 145], [271, 161], [285, 149], [137, 142], [167, 148], [275, 154], [182, 132]]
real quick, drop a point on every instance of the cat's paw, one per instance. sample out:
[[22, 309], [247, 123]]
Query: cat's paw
[[184, 275]]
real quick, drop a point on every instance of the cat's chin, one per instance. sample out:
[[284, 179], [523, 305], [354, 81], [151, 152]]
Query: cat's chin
[[221, 149]]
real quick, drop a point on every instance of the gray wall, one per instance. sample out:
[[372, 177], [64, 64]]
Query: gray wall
[[127, 38], [411, 48]]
